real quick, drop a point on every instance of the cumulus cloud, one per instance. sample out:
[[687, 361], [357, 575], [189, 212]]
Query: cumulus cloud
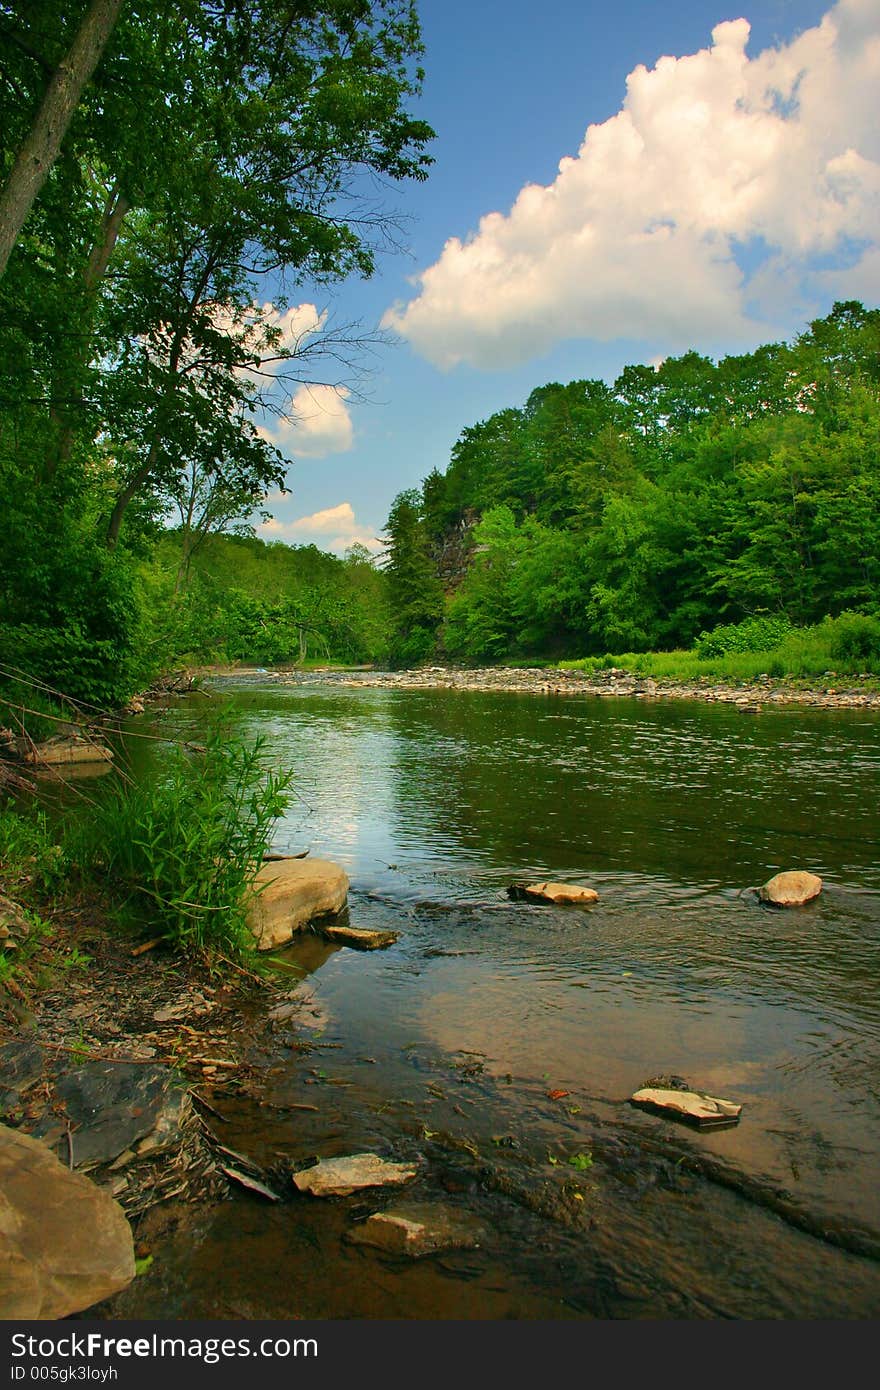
[[639, 234], [317, 423], [334, 528]]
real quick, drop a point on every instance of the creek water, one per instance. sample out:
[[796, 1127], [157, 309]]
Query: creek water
[[445, 1048]]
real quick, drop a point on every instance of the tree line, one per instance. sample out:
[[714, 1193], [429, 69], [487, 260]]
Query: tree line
[[638, 515]]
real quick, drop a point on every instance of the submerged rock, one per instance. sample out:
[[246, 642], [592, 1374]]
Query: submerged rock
[[791, 889], [291, 893], [692, 1107], [337, 1177], [64, 1243], [554, 892], [360, 939], [421, 1228]]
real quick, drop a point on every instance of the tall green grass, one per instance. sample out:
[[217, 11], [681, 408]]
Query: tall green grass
[[184, 845], [846, 645]]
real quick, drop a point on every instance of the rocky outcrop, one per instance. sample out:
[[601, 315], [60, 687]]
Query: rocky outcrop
[[554, 893], [291, 893], [338, 1177], [791, 889], [64, 1243]]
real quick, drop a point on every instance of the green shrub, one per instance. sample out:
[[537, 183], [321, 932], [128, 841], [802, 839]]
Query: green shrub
[[760, 634], [854, 638], [187, 842]]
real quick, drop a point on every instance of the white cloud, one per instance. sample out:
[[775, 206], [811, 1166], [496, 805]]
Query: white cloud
[[317, 423], [334, 528], [639, 233]]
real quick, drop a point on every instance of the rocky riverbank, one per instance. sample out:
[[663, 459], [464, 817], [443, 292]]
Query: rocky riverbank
[[834, 692]]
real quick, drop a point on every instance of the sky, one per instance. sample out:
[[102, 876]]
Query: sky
[[613, 183]]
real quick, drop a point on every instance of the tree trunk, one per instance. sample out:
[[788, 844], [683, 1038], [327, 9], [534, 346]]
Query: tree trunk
[[40, 149]]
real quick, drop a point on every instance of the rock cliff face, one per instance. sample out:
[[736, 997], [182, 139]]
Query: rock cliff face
[[290, 894], [64, 1243]]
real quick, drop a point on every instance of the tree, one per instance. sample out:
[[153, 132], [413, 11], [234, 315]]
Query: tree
[[41, 147]]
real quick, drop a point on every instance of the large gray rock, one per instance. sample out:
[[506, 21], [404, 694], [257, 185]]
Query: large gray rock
[[64, 1243], [290, 894], [116, 1107], [337, 1177], [791, 889]]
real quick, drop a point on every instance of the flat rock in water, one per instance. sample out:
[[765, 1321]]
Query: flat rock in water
[[360, 939], [64, 1243], [67, 750], [291, 893], [421, 1228], [692, 1107], [560, 893], [337, 1177], [791, 889]]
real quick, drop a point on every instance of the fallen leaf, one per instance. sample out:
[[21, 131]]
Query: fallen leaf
[[557, 1095]]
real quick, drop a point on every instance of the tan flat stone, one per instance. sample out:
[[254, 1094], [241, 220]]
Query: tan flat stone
[[291, 894], [706, 1112], [791, 889], [561, 893], [337, 1177]]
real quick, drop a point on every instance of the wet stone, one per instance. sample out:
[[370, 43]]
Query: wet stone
[[690, 1107], [338, 1177], [419, 1228]]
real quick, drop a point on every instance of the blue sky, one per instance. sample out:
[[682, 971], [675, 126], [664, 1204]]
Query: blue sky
[[727, 192]]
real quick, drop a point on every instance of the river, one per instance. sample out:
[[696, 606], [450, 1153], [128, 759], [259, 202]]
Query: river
[[445, 1048]]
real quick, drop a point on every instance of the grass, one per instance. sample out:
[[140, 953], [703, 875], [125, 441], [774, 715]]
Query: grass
[[837, 647], [184, 845]]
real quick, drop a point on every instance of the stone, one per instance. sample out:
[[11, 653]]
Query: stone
[[114, 1106], [692, 1107], [64, 1243], [338, 1177], [791, 889], [421, 1228], [14, 921], [560, 893], [67, 750], [290, 894], [359, 938]]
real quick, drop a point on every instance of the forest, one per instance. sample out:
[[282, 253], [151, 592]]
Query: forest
[[639, 515]]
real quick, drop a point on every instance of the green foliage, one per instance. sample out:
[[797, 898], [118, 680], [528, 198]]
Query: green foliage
[[752, 635], [185, 843], [677, 503], [29, 850], [855, 640]]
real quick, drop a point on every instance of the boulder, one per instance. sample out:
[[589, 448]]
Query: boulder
[[338, 1177], [560, 893], [791, 889], [421, 1228], [291, 893], [114, 1108], [64, 1243], [693, 1107]]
